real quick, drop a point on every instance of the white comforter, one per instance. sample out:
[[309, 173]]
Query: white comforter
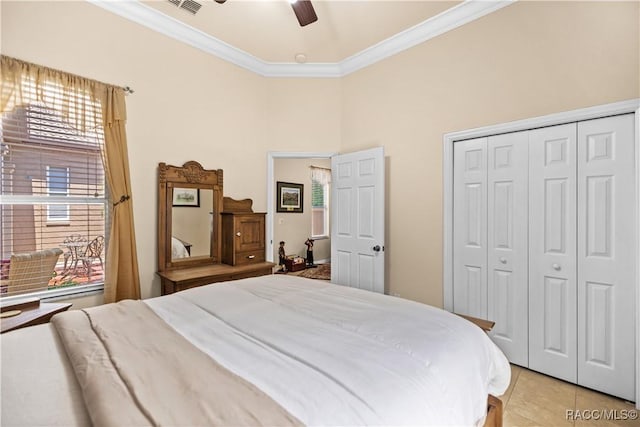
[[333, 355]]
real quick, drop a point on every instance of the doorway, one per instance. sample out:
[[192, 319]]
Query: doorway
[[293, 227]]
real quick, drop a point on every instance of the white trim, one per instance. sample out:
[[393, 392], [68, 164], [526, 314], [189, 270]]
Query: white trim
[[637, 151], [321, 70], [461, 14], [153, 19], [56, 294], [450, 19], [447, 226], [623, 107], [271, 185]]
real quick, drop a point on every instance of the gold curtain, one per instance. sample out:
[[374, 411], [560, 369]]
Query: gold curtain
[[122, 278], [23, 83]]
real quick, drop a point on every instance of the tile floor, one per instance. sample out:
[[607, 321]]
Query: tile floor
[[534, 399]]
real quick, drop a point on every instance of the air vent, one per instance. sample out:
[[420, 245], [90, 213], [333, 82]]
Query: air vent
[[191, 6], [188, 5]]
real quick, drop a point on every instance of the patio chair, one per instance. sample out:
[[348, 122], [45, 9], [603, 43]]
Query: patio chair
[[30, 272], [93, 252], [76, 247]]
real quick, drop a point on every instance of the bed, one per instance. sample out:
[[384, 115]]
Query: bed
[[178, 249], [285, 351]]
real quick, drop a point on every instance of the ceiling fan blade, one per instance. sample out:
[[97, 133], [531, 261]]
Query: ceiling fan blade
[[304, 12], [220, 1]]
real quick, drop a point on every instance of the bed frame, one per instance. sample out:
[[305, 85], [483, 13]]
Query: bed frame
[[494, 412]]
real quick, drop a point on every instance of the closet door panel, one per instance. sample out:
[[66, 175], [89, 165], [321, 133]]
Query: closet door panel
[[470, 228], [552, 251], [606, 253], [507, 243]]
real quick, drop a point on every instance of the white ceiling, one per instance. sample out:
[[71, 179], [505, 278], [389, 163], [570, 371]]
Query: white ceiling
[[264, 36], [269, 30]]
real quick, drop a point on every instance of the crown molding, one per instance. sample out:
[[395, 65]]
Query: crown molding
[[450, 19], [284, 69], [459, 15]]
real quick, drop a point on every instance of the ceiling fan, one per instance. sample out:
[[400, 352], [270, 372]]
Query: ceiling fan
[[302, 8]]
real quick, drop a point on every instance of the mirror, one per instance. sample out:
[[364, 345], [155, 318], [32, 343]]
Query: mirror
[[191, 225], [189, 203]]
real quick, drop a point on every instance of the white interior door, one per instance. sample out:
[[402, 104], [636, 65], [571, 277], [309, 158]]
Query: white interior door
[[552, 251], [606, 254], [470, 227], [507, 247], [357, 219]]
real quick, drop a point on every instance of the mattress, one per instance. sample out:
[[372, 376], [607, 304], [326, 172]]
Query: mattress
[[328, 354]]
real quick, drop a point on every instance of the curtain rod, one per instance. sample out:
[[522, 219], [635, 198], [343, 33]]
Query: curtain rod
[[318, 167], [127, 89]]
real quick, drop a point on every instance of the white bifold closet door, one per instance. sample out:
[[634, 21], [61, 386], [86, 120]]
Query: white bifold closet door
[[507, 257], [581, 253], [544, 245], [606, 255], [490, 237], [552, 251], [470, 228]]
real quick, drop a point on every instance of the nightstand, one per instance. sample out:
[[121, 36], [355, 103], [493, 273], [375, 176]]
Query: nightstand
[[33, 312]]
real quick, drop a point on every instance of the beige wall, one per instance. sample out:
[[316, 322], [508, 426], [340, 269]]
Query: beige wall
[[295, 228], [188, 105], [526, 60]]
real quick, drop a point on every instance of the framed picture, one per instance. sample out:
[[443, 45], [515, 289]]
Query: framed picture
[[290, 197], [187, 197]]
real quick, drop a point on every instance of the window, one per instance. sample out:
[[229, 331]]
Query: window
[[58, 186], [52, 198], [320, 179]]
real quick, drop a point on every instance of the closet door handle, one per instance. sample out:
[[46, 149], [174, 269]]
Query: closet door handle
[[556, 266], [238, 234], [503, 260]]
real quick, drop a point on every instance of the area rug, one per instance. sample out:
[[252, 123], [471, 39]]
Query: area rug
[[322, 272]]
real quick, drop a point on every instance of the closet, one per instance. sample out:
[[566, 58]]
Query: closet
[[544, 244]]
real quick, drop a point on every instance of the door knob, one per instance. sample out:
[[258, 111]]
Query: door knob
[[238, 234], [503, 260], [556, 267], [376, 248]]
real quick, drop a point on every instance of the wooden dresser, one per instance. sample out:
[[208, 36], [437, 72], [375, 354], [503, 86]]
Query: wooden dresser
[[181, 279], [236, 234]]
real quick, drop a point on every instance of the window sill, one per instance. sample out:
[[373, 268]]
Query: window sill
[[320, 237], [57, 294]]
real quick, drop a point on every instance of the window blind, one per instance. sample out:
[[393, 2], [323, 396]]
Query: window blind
[[320, 179], [53, 193]]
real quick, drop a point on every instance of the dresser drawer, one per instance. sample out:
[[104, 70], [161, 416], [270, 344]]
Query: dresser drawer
[[249, 257]]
